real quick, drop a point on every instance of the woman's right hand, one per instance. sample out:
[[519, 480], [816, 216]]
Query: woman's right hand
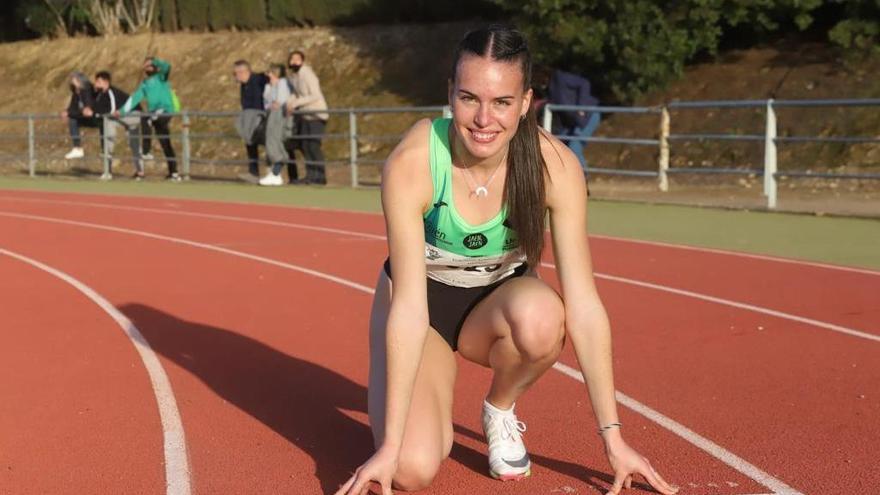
[[379, 469]]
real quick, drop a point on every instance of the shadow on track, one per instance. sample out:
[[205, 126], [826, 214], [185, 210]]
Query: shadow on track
[[297, 399]]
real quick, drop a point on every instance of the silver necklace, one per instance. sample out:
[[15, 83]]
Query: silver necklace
[[476, 189]]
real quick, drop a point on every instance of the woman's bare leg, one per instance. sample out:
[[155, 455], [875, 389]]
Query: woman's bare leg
[[427, 438], [517, 331]]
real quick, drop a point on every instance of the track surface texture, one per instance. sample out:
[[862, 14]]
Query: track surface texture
[[737, 375]]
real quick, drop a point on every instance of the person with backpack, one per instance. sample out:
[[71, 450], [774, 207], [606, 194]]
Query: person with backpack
[[156, 90]]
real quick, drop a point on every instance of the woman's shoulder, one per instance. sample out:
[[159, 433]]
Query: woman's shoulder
[[414, 145], [407, 168], [559, 158], [564, 172]]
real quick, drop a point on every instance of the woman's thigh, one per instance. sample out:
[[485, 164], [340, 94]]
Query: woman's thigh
[[524, 309], [428, 434]]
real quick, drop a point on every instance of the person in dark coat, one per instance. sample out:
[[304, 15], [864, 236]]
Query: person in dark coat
[[571, 89], [251, 122], [109, 99], [80, 112]]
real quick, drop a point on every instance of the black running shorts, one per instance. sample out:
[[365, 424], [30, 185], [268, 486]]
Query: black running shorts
[[449, 306]]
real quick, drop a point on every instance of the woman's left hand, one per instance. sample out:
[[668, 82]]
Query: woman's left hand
[[626, 463]]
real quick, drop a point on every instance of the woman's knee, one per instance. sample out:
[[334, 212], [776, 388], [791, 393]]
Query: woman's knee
[[537, 325], [416, 471]]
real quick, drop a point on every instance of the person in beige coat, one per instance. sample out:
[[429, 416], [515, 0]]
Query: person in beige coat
[[307, 97]]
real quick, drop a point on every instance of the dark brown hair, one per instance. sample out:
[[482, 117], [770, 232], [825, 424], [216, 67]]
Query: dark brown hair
[[524, 189]]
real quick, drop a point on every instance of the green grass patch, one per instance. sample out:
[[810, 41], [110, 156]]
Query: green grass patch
[[844, 241]]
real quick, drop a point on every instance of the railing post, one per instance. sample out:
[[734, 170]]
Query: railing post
[[186, 144], [32, 155], [770, 156], [663, 179], [548, 119], [353, 148], [105, 146]]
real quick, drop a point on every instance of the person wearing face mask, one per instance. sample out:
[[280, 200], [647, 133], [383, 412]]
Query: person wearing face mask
[[307, 96], [156, 90]]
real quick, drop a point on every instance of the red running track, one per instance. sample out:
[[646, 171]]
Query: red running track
[[269, 365]]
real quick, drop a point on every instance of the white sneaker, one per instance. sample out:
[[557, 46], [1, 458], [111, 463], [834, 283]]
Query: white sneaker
[[147, 157], [508, 459], [106, 176], [271, 179], [76, 152]]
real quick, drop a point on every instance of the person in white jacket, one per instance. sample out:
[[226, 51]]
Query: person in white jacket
[[307, 97], [275, 95]]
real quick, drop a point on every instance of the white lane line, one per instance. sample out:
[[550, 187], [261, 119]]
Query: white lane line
[[734, 461], [257, 221], [681, 292], [735, 304], [177, 475], [630, 403], [723, 252]]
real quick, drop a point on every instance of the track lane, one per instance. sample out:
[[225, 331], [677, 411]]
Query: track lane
[[547, 444], [837, 296], [77, 413], [316, 252]]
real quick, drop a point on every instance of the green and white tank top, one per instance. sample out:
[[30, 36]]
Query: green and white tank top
[[457, 253]]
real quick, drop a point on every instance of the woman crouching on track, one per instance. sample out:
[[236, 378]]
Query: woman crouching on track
[[465, 200]]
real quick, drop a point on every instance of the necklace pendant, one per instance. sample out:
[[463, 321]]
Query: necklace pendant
[[481, 191]]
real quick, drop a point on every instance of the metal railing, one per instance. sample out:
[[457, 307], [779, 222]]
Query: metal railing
[[349, 130], [770, 139]]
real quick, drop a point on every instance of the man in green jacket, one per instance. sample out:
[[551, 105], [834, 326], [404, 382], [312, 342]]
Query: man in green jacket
[[156, 90]]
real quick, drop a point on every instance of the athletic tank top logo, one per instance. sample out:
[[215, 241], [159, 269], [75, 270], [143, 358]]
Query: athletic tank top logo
[[475, 241]]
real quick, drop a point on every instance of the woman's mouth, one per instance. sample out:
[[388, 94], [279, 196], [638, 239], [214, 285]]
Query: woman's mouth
[[483, 137]]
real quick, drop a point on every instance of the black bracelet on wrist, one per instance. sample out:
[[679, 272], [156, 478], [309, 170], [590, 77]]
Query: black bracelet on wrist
[[608, 427]]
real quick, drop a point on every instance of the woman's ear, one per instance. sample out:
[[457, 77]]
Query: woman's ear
[[527, 103]]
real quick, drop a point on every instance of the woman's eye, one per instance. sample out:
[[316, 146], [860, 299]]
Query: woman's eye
[[503, 103]]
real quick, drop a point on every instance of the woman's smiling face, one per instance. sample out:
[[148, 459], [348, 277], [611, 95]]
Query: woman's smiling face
[[488, 102]]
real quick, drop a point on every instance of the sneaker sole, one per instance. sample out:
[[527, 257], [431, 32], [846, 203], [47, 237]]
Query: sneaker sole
[[511, 477]]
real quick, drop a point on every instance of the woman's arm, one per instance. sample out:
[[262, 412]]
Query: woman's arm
[[586, 321], [133, 100], [406, 191]]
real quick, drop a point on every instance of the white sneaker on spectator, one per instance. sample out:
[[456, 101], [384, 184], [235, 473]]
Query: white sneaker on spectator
[[147, 157], [508, 459], [106, 176], [76, 152], [271, 179]]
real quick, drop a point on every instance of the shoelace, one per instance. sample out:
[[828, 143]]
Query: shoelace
[[512, 426]]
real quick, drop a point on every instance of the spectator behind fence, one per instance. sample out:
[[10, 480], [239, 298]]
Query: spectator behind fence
[[310, 127], [251, 122], [276, 93], [570, 89], [80, 112], [156, 90], [108, 99]]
